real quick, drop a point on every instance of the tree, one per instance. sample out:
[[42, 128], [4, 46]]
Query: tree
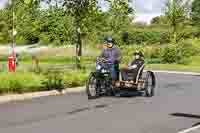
[[27, 23], [42, 25], [118, 18], [5, 25], [120, 14], [161, 20], [176, 13], [155, 20], [195, 12], [80, 11]]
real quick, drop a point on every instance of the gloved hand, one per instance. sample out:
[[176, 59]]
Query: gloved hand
[[133, 66], [111, 60]]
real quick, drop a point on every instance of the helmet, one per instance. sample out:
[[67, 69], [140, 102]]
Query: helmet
[[109, 40], [138, 53]]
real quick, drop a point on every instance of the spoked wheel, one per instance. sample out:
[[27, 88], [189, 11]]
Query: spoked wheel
[[149, 84], [109, 87], [92, 89]]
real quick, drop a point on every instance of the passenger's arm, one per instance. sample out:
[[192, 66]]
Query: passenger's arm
[[133, 66]]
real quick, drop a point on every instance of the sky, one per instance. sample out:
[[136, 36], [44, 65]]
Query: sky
[[148, 9], [145, 9], [2, 3]]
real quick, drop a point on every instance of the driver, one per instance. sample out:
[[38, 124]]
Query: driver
[[112, 54], [133, 66]]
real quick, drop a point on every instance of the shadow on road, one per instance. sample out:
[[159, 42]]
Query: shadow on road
[[51, 116], [129, 94], [187, 116], [78, 110]]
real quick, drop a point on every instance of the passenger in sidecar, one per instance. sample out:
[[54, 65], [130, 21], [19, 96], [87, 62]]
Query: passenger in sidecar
[[134, 70]]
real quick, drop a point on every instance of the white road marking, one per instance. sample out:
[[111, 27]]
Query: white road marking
[[190, 129], [176, 72]]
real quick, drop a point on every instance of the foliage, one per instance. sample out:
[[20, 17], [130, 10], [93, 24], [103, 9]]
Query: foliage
[[148, 37], [20, 82], [195, 12], [55, 27], [159, 20], [54, 80], [176, 14], [56, 24], [75, 78], [5, 25], [177, 53], [194, 45]]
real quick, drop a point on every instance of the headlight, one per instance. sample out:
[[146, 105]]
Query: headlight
[[98, 67], [104, 71]]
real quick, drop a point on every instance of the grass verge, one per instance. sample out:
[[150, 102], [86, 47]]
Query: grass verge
[[193, 66], [24, 81]]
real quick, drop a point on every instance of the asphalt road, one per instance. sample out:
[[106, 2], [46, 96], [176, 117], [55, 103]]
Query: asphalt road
[[174, 108]]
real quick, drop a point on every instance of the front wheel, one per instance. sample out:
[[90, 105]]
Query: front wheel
[[92, 89], [149, 84]]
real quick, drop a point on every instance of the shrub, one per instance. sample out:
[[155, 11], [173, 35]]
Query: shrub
[[44, 39], [20, 40], [152, 52], [177, 53], [75, 78], [169, 54], [20, 82], [196, 45], [54, 80], [148, 37], [153, 61]]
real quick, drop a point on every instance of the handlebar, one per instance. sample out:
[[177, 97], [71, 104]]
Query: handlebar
[[104, 61]]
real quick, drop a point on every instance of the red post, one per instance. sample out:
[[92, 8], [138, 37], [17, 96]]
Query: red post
[[12, 62]]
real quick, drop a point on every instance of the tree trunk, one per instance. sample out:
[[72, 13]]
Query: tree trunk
[[78, 44]]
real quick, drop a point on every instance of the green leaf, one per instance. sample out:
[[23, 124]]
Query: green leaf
[[27, 1]]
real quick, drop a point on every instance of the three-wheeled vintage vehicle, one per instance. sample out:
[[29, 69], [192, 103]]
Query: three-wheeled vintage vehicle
[[100, 82]]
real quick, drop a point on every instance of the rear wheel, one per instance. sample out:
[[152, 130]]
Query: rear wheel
[[149, 84], [92, 89]]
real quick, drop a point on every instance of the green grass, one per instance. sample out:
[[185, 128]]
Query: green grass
[[174, 67], [20, 82], [194, 66], [75, 78], [24, 81]]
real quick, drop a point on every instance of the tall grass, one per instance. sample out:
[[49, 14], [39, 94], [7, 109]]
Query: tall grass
[[75, 78], [20, 82]]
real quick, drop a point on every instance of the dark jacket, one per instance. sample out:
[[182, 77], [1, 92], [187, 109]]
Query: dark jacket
[[112, 55], [138, 62]]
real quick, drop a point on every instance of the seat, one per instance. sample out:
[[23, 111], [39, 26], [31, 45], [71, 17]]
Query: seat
[[135, 74]]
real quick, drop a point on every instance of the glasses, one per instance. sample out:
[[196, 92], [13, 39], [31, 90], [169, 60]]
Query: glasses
[[109, 44]]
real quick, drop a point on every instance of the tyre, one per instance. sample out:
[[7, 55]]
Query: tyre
[[149, 84], [109, 86], [92, 89]]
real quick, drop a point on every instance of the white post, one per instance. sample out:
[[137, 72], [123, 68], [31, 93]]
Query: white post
[[13, 29], [14, 32]]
